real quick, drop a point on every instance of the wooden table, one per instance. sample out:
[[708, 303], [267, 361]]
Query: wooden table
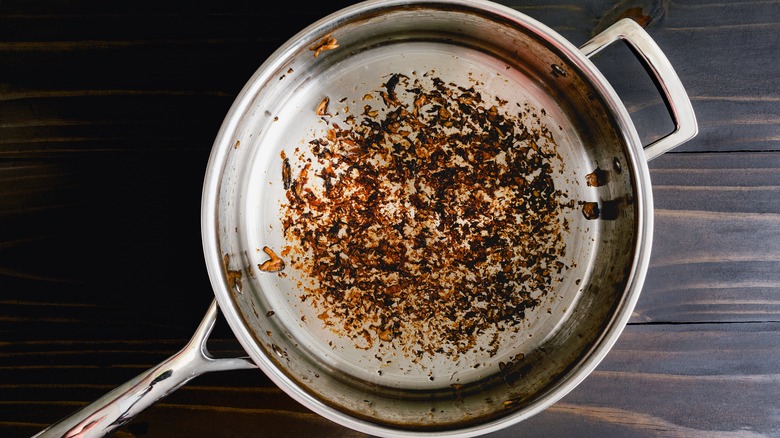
[[107, 114]]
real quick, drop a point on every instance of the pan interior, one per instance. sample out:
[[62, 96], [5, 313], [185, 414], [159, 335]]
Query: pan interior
[[298, 124], [505, 62]]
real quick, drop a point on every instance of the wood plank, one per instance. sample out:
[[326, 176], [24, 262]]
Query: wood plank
[[101, 55], [658, 380], [109, 231], [717, 239], [144, 78]]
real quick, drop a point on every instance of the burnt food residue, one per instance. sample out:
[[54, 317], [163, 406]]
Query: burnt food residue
[[328, 42], [590, 210], [597, 178], [274, 264], [427, 220]]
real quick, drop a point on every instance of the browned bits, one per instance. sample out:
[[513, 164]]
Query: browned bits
[[322, 108], [368, 111], [233, 276], [386, 335], [326, 43], [389, 97], [275, 264], [391, 84], [427, 225], [597, 178], [511, 403], [234, 280], [590, 210], [286, 173]]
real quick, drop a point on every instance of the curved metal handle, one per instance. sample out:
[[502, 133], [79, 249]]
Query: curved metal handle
[[123, 403], [665, 77]]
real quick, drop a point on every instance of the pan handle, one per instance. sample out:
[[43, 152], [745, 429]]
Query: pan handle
[[664, 76], [123, 403]]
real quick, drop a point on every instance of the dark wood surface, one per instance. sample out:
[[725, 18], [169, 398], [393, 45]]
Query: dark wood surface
[[107, 114]]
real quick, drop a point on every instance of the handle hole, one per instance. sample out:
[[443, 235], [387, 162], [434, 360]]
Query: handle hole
[[637, 89], [222, 342]]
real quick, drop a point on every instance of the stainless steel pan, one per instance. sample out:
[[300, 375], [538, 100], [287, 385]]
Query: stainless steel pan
[[511, 57]]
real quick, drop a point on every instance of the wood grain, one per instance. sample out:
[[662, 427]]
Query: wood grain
[[716, 252], [658, 380], [107, 115]]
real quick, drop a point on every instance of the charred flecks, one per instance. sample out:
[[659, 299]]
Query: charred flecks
[[286, 174], [328, 42], [322, 108], [597, 178], [389, 96], [428, 221], [274, 264], [391, 84], [590, 210], [233, 276]]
